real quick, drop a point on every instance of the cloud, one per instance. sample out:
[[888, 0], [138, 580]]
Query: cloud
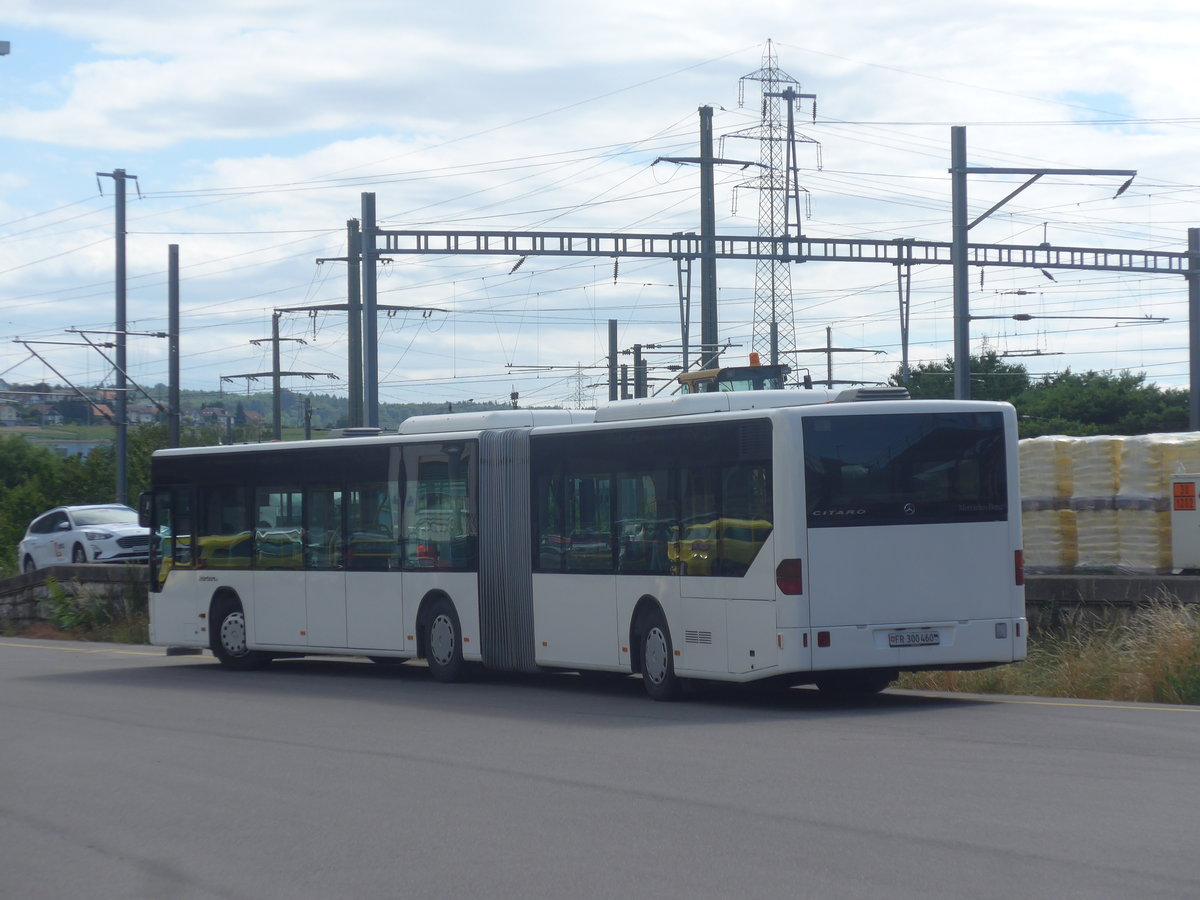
[[254, 127]]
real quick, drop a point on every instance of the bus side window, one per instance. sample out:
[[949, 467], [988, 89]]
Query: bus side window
[[644, 523], [589, 538], [223, 536], [323, 534], [549, 540], [371, 544], [171, 543], [439, 527], [279, 532], [183, 528]]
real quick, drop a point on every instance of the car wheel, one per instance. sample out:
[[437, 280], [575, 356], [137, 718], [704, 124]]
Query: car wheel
[[658, 663], [228, 640], [78, 554], [443, 642], [27, 564]]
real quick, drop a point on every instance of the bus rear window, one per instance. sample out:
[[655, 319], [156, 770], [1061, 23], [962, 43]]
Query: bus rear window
[[905, 469]]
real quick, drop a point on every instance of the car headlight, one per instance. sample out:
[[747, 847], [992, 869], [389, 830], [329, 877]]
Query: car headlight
[[98, 535]]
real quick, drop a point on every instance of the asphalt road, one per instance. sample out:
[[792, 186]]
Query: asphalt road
[[125, 773]]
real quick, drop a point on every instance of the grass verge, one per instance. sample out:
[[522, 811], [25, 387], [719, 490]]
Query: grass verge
[[1152, 657]]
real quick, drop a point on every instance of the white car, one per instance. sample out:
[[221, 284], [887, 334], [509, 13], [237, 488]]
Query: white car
[[81, 534]]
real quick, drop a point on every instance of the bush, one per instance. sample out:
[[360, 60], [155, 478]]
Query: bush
[[1153, 657], [76, 615]]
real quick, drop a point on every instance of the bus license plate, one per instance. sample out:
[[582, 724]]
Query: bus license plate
[[916, 637]]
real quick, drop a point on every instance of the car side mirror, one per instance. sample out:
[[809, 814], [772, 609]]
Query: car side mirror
[[63, 526]]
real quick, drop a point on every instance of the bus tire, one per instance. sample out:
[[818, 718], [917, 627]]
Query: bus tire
[[658, 659], [228, 637], [443, 642]]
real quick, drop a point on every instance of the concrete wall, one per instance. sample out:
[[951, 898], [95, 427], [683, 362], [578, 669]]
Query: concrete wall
[[24, 600]]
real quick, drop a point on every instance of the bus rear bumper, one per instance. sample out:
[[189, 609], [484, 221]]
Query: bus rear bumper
[[918, 645]]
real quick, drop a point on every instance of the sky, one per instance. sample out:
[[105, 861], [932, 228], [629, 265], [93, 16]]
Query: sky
[[254, 127]]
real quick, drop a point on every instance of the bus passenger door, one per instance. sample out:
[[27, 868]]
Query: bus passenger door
[[373, 600], [173, 610], [280, 611], [324, 563], [724, 558], [575, 590]]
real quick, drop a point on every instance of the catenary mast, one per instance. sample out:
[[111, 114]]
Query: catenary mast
[[774, 335]]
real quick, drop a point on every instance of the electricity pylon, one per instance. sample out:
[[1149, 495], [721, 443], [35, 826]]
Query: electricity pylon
[[774, 332]]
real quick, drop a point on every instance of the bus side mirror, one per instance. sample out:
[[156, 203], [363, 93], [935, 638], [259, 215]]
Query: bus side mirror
[[143, 507]]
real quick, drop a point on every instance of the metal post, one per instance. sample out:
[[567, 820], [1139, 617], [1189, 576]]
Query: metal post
[[354, 352], [369, 305], [829, 356], [173, 412], [683, 271], [612, 360], [1193, 280], [958, 263], [639, 383], [276, 399], [122, 404], [708, 244]]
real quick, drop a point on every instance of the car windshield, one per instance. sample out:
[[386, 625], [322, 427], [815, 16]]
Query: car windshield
[[112, 515]]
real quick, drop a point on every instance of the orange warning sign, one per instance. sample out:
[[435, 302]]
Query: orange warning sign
[[1185, 495]]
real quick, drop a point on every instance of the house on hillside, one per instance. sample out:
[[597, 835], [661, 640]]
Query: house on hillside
[[9, 414], [214, 415], [47, 414], [141, 413]]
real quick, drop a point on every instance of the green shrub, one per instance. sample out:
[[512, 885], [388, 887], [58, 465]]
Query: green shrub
[[1153, 657]]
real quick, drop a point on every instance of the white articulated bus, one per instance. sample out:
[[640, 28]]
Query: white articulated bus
[[804, 536]]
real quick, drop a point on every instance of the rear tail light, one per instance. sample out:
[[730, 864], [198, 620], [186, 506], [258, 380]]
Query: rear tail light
[[789, 577], [1019, 563]]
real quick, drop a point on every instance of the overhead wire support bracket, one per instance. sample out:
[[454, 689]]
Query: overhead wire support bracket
[[116, 367], [92, 403]]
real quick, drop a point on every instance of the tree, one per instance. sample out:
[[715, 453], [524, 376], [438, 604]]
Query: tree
[[1101, 403], [1065, 403], [991, 379]]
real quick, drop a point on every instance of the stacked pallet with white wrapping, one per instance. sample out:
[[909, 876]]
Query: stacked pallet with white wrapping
[[1143, 499], [1096, 474], [1101, 504], [1047, 521]]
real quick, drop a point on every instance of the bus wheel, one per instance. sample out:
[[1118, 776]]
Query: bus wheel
[[443, 642], [228, 640], [658, 664]]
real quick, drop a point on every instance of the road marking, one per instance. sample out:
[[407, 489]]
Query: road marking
[[85, 649], [1156, 707]]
